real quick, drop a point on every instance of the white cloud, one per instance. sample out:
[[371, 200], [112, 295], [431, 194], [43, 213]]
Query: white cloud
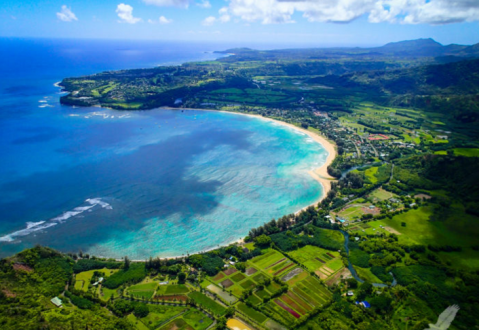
[[343, 11], [164, 20], [168, 3], [224, 16], [125, 13], [210, 20], [204, 4], [66, 15]]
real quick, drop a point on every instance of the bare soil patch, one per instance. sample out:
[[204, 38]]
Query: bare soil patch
[[171, 298], [230, 271], [321, 275], [346, 273], [291, 274], [9, 293], [227, 283], [320, 260], [392, 230], [422, 196], [374, 211], [25, 268], [251, 271], [218, 277]]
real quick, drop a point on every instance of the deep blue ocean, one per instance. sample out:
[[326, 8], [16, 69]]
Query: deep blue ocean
[[141, 183]]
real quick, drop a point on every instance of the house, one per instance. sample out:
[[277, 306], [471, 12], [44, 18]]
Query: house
[[356, 238], [57, 302], [371, 207], [350, 293]]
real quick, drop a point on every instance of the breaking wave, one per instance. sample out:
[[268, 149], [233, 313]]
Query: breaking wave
[[42, 225]]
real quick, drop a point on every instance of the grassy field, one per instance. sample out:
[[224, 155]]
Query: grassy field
[[466, 152], [107, 293], [197, 319], [458, 228], [145, 290], [172, 289], [207, 303], [251, 313], [160, 314], [381, 194]]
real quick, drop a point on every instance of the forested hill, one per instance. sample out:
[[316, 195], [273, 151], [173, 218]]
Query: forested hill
[[458, 78]]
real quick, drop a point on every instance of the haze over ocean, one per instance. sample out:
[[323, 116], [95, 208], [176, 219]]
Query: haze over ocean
[[142, 183]]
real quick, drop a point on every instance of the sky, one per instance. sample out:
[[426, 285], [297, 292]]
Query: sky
[[290, 22]]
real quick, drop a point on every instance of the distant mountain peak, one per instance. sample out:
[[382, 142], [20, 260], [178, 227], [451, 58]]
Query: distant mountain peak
[[427, 42]]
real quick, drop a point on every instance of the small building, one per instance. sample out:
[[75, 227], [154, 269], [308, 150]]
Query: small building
[[394, 200], [371, 207], [350, 293], [57, 302], [412, 204], [356, 238], [365, 304]]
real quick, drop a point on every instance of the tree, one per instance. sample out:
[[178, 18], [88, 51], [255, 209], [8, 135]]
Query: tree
[[230, 312], [141, 310], [126, 265], [263, 240], [181, 278]]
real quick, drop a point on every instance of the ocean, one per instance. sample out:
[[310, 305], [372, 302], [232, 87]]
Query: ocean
[[135, 183]]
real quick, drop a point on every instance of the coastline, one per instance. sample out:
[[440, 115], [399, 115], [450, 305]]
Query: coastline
[[320, 174]]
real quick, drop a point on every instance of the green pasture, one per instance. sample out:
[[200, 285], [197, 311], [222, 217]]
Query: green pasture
[[172, 289], [145, 290], [457, 228], [207, 303], [381, 194]]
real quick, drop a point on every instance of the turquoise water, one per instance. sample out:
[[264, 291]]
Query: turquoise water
[[142, 183]]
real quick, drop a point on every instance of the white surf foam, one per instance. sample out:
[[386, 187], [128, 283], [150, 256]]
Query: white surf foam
[[32, 227]]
